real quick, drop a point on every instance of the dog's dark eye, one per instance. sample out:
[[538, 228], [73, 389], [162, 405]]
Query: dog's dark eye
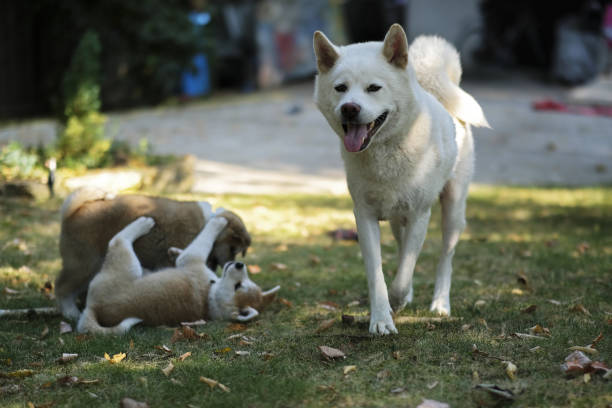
[[237, 286], [341, 88], [373, 88]]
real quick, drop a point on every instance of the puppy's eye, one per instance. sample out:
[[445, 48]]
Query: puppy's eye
[[237, 286], [341, 88], [373, 88]]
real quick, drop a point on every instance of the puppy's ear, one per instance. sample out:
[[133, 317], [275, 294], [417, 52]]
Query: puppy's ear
[[395, 47], [325, 51]]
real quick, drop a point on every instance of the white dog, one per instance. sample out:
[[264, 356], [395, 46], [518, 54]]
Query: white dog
[[120, 295], [405, 127]]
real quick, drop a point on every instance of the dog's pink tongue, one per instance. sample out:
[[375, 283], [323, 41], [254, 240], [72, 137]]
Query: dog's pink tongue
[[354, 137]]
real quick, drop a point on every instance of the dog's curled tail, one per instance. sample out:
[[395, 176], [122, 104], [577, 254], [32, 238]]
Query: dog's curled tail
[[89, 324], [438, 70], [81, 196]]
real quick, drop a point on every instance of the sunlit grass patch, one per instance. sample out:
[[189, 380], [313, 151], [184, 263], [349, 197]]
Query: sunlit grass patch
[[557, 239]]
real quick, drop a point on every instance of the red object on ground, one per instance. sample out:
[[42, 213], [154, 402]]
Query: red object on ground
[[586, 110]]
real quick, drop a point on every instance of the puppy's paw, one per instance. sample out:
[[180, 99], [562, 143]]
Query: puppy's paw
[[144, 224], [441, 306], [381, 322], [218, 223], [399, 298]]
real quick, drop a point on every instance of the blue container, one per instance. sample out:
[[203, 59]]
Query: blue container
[[196, 82]]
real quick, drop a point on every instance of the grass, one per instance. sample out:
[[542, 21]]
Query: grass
[[558, 238]]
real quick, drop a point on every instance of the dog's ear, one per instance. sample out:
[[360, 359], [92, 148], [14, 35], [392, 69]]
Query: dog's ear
[[395, 47], [325, 51]]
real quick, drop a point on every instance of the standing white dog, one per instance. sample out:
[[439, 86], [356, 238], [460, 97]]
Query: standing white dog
[[405, 126]]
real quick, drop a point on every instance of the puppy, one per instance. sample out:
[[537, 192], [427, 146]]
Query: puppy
[[404, 125], [91, 217], [120, 295]]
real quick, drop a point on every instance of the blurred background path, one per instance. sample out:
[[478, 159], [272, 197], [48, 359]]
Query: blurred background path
[[277, 141]]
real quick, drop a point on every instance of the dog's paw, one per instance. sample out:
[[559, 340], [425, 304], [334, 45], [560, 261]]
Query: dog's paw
[[144, 224], [399, 298], [441, 306], [381, 323], [218, 223]]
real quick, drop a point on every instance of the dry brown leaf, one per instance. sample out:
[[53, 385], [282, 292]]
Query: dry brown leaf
[[66, 357], [331, 353], [285, 302], [64, 328], [115, 359], [597, 340], [131, 403], [184, 333], [184, 356], [396, 355], [517, 291], [254, 269], [349, 368], [328, 305], [511, 370], [232, 327], [529, 309], [537, 329], [168, 369], [579, 308], [131, 344], [277, 266], [17, 374], [427, 403], [266, 355], [214, 383], [163, 348], [224, 350], [326, 324], [584, 349], [528, 336], [281, 248], [44, 333], [582, 247], [521, 278], [576, 363]]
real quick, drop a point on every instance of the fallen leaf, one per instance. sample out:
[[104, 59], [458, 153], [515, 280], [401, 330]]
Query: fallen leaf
[[479, 304], [586, 378], [254, 269], [44, 333], [529, 309], [583, 247], [517, 291], [529, 336], [554, 302], [242, 353], [277, 266], [236, 327], [598, 366], [497, 392], [326, 324], [285, 302], [214, 383], [184, 333], [115, 359], [327, 305], [184, 356], [131, 403], [349, 368], [200, 322], [18, 374], [597, 340], [383, 374], [68, 380], [314, 260], [266, 355], [535, 349], [281, 248], [396, 355], [584, 349], [580, 309], [64, 328], [521, 278], [537, 329], [224, 350], [131, 344], [66, 357], [427, 403], [168, 369], [576, 363], [163, 348], [331, 353], [511, 370]]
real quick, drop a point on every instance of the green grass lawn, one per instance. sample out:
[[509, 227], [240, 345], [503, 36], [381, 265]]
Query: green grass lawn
[[560, 240]]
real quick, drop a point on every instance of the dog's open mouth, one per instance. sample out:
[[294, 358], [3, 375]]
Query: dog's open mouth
[[358, 136]]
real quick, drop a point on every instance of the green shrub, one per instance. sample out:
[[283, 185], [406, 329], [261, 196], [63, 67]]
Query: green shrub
[[82, 141], [17, 162]]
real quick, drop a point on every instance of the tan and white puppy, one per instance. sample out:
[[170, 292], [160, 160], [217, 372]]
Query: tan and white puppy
[[406, 139], [91, 217], [121, 295]]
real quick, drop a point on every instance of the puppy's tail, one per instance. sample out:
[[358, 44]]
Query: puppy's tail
[[88, 323], [81, 196], [438, 70]]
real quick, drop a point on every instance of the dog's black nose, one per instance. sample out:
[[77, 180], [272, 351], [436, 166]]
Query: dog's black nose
[[238, 265], [350, 110]]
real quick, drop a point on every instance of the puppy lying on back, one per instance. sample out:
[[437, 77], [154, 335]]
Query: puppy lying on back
[[91, 217], [120, 295]]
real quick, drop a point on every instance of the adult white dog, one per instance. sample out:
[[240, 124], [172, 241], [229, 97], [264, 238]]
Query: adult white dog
[[405, 127]]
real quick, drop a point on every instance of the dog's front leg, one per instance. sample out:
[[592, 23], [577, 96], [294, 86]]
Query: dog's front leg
[[199, 249], [381, 321]]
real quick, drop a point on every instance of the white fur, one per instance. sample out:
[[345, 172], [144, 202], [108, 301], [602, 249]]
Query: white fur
[[419, 154]]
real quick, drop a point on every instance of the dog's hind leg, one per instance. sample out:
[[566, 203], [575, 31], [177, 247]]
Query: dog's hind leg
[[121, 258], [410, 238], [452, 199]]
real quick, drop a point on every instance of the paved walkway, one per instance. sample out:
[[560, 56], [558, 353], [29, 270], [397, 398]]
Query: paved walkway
[[277, 141]]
